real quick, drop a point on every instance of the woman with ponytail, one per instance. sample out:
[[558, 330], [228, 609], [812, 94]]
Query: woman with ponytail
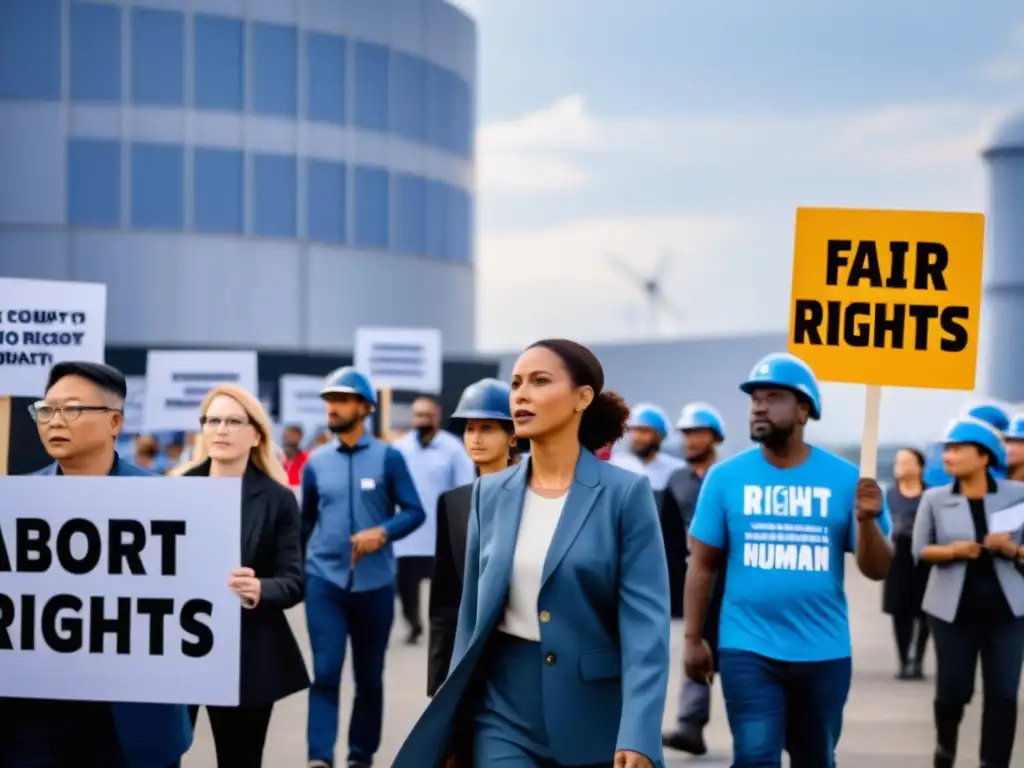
[[561, 653]]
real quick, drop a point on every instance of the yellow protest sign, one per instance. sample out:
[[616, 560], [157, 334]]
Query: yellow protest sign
[[888, 298]]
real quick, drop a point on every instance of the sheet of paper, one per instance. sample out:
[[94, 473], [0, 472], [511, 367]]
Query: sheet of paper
[[1007, 520]]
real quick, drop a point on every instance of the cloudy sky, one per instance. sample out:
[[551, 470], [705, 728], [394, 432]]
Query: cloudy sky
[[625, 131]]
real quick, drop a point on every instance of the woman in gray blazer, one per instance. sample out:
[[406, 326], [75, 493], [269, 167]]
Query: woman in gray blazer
[[975, 593]]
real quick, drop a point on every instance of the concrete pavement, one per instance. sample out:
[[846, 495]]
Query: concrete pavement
[[888, 723]]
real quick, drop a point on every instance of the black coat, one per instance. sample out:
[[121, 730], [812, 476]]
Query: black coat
[[446, 584], [271, 665], [673, 531]]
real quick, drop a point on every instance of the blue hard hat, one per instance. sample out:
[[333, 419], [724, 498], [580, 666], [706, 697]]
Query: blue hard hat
[[701, 416], [349, 381], [485, 399], [975, 431], [1016, 430], [781, 369], [992, 413], [649, 416]]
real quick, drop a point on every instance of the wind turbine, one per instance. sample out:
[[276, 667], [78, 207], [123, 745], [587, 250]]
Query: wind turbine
[[650, 286]]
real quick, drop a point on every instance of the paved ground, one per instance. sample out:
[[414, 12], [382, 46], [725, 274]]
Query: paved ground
[[888, 723]]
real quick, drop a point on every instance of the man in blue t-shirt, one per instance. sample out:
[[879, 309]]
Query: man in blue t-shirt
[[780, 518]]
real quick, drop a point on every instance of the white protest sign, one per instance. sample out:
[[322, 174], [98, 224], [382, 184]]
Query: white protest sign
[[133, 405], [115, 589], [300, 402], [177, 382], [1007, 520], [43, 322], [404, 359]]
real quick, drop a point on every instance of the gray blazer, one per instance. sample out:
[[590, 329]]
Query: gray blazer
[[944, 517]]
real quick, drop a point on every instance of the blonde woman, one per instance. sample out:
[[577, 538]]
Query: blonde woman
[[235, 442]]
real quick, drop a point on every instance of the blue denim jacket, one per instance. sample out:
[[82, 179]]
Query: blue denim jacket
[[347, 489]]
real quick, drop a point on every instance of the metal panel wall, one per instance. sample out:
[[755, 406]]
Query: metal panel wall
[[1003, 313], [172, 280]]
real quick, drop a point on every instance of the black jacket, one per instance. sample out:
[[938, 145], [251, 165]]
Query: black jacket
[[446, 584], [271, 665], [678, 504]]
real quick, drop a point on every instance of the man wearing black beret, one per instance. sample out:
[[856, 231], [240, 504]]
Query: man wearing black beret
[[79, 419]]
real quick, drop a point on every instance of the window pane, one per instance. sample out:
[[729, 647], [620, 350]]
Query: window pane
[[158, 57], [372, 207], [94, 183], [158, 186], [95, 52], [463, 117], [409, 100], [449, 222], [326, 77], [220, 63], [274, 209], [440, 98], [450, 118], [462, 223], [410, 213], [326, 201], [218, 196], [371, 83], [30, 50], [437, 219], [275, 69]]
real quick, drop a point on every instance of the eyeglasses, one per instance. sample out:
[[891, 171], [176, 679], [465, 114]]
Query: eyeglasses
[[231, 423], [43, 413]]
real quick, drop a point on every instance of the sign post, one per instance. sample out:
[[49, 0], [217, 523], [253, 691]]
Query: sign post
[[177, 382], [887, 298], [401, 359], [398, 360], [115, 589], [869, 437], [384, 402], [44, 322], [5, 433], [299, 402]]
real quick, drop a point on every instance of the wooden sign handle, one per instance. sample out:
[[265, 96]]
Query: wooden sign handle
[[384, 413], [869, 439], [5, 433]]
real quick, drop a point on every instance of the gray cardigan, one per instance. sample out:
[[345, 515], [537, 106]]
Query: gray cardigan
[[943, 517]]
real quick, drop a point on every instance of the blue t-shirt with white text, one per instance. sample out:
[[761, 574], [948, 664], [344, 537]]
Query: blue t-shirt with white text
[[786, 533]]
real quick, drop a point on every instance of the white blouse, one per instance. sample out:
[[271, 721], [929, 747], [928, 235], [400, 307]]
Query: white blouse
[[536, 530]]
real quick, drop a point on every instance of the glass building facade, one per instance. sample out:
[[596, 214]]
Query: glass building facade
[[268, 173]]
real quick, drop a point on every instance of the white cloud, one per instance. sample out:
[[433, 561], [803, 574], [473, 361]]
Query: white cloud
[[732, 274], [561, 280], [471, 7], [536, 153], [555, 148]]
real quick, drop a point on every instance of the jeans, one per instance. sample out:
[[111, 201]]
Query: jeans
[[779, 705], [958, 647], [336, 616]]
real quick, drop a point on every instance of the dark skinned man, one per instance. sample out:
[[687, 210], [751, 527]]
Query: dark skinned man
[[780, 518]]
